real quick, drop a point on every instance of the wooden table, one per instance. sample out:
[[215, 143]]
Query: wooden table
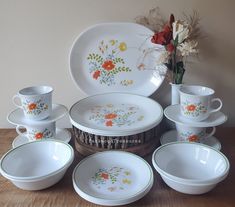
[[63, 194]]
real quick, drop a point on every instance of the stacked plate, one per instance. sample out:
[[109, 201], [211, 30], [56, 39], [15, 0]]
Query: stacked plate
[[112, 178], [117, 70]]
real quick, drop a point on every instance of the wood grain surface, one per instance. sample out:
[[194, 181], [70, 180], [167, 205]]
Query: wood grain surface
[[63, 194]]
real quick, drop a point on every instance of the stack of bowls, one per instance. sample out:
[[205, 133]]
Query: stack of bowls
[[37, 165], [190, 168]]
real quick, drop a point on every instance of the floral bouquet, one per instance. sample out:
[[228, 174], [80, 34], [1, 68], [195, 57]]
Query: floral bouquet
[[179, 37]]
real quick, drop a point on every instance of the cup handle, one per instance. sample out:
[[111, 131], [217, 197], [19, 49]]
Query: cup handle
[[18, 130], [220, 106], [14, 101], [211, 133]]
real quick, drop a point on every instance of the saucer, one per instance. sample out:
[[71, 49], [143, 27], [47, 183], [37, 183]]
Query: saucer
[[61, 134], [17, 116], [171, 136], [173, 113]]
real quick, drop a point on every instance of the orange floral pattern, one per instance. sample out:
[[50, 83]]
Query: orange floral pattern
[[39, 135], [109, 123], [108, 65], [110, 116], [32, 106], [96, 74], [193, 138], [191, 107]]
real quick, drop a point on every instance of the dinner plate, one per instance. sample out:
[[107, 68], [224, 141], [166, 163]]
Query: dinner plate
[[171, 136], [116, 114], [173, 113], [112, 178], [117, 57], [17, 116], [61, 134]]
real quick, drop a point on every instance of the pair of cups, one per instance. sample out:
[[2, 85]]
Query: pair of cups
[[36, 104], [196, 105]]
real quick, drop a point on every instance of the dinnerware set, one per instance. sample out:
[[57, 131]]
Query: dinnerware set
[[195, 115], [37, 115], [106, 62]]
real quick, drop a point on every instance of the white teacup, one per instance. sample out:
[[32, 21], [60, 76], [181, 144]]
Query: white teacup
[[196, 102], [38, 131], [193, 134], [36, 102]]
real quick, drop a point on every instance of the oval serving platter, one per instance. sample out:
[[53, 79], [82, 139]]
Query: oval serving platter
[[116, 57], [116, 114]]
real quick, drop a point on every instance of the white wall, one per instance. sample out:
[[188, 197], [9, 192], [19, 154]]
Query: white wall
[[36, 37]]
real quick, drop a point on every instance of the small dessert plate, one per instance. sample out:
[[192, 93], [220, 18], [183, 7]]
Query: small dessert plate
[[17, 116], [112, 178], [61, 134], [173, 113], [171, 136]]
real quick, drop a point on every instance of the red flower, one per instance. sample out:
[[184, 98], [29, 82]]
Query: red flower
[[170, 47], [96, 74], [191, 107], [32, 106], [104, 176], [193, 138], [110, 116], [39, 135], [109, 123], [108, 65]]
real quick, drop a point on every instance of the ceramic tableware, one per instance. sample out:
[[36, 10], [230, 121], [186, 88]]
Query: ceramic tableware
[[37, 131], [196, 102], [36, 101], [193, 134], [17, 116], [61, 135], [173, 113], [171, 136], [111, 60], [116, 114], [203, 164], [37, 165], [112, 178]]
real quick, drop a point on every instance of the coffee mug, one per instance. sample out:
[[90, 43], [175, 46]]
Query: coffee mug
[[37, 131], [196, 101], [193, 134], [35, 101]]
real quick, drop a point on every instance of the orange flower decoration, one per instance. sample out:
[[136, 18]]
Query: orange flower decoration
[[110, 116], [108, 65], [39, 135], [32, 106], [104, 175], [96, 74], [191, 107], [109, 123], [193, 138]]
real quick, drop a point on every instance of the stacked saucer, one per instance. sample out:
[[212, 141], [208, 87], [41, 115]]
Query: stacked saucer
[[37, 115], [193, 116]]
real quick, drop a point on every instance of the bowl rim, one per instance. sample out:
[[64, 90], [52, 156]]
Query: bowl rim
[[38, 177], [187, 180]]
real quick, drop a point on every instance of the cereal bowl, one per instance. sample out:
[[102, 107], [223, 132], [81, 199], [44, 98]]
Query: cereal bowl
[[37, 165], [191, 163]]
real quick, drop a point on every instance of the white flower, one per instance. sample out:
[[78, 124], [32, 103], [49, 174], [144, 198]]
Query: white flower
[[181, 30], [187, 48]]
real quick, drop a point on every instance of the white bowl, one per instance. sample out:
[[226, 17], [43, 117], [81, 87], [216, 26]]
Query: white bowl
[[37, 165], [192, 163]]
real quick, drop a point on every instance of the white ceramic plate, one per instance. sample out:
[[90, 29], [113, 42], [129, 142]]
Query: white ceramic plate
[[173, 113], [112, 178], [116, 114], [171, 136], [114, 57], [61, 134], [17, 116]]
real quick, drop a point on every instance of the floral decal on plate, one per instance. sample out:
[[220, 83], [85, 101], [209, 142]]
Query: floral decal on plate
[[126, 82], [37, 135], [35, 108], [107, 63], [191, 137], [193, 109], [110, 115], [112, 179]]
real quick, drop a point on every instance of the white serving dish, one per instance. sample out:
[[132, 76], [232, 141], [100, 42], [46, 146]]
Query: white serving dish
[[61, 135], [173, 113], [112, 178], [188, 162], [171, 136], [116, 114], [17, 116], [37, 165], [113, 57]]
